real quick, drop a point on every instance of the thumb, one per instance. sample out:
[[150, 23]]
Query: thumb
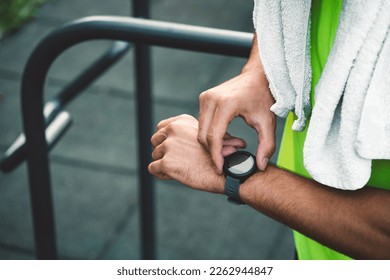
[[266, 147]]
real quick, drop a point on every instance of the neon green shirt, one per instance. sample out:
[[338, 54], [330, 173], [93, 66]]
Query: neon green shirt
[[324, 23]]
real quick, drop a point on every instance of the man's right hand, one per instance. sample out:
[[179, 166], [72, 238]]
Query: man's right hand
[[248, 96]]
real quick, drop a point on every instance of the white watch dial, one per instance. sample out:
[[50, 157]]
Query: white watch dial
[[242, 167]]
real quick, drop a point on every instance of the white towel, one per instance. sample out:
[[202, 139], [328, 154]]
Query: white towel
[[350, 122], [373, 139], [284, 44]]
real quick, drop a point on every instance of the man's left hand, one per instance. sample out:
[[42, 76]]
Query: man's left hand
[[179, 156]]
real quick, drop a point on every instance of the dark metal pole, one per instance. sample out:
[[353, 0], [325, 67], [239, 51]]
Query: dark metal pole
[[38, 166], [17, 152], [141, 8], [144, 109]]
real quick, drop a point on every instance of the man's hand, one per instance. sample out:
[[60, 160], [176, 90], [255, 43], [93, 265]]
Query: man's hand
[[247, 96], [179, 156]]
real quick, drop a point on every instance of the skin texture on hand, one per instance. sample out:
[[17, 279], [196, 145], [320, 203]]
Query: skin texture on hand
[[246, 95], [179, 156]]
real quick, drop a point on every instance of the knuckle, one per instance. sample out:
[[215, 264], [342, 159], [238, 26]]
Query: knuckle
[[207, 96], [176, 125], [270, 146], [155, 153], [271, 119], [210, 138], [151, 168], [204, 95], [253, 122], [201, 139], [159, 125], [165, 146], [154, 140], [170, 128]]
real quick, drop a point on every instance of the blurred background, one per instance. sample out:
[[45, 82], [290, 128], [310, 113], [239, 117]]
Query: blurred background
[[94, 167]]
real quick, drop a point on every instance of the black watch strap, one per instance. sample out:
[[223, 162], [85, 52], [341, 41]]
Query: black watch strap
[[232, 187]]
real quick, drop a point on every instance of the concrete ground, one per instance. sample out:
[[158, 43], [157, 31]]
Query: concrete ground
[[94, 167]]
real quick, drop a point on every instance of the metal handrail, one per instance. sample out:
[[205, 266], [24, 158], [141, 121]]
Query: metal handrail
[[134, 30], [16, 153]]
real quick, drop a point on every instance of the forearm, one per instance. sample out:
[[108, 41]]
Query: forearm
[[355, 223]]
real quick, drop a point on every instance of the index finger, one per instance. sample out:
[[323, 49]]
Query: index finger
[[206, 113], [216, 133]]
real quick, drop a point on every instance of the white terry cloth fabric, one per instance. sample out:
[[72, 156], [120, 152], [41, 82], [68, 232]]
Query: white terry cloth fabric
[[373, 140], [282, 29], [350, 122]]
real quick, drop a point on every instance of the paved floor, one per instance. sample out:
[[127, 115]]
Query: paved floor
[[94, 168]]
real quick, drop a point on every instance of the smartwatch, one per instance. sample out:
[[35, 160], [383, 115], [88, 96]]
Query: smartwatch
[[237, 167]]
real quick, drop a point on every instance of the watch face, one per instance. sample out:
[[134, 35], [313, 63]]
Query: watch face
[[240, 163]]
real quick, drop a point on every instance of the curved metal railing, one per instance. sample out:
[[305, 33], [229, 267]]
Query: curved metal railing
[[135, 30]]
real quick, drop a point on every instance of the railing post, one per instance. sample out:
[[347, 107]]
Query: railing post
[[144, 126]]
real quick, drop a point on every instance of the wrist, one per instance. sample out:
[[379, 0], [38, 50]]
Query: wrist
[[218, 184], [256, 74], [252, 190], [254, 64]]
